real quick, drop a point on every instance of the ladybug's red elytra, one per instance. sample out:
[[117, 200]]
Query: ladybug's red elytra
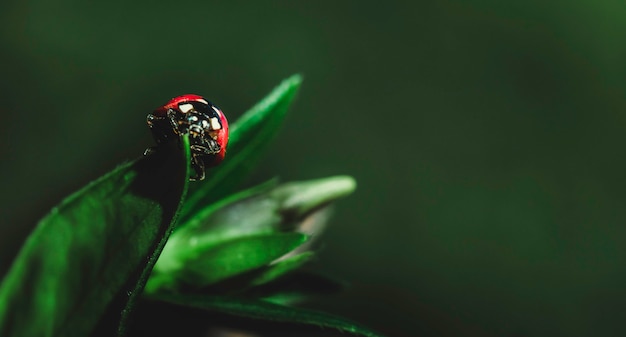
[[202, 120]]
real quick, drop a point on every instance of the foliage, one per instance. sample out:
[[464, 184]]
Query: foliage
[[83, 268]]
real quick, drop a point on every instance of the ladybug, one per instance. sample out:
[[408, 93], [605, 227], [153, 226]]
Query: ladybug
[[202, 120]]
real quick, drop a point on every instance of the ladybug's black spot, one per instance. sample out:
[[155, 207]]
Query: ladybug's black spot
[[205, 109]]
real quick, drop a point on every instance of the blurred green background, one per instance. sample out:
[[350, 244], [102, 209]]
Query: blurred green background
[[486, 138]]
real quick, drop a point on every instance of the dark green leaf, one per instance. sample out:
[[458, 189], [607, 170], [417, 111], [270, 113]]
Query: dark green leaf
[[281, 267], [94, 250], [266, 311], [249, 137], [236, 256], [297, 287]]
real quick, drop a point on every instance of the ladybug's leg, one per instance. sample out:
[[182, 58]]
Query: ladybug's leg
[[198, 166], [150, 150], [150, 120], [198, 150], [213, 146], [175, 124], [205, 149], [156, 127]]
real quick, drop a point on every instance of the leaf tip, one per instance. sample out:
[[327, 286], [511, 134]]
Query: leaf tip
[[289, 86], [295, 79]]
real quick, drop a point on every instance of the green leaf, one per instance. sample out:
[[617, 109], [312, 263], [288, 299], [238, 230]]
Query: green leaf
[[281, 267], [242, 214], [249, 212], [94, 251], [265, 209], [299, 198], [236, 256], [297, 287], [250, 135], [261, 310]]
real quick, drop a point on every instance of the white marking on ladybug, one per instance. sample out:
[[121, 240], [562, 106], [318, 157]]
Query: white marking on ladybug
[[216, 110], [215, 123], [184, 108]]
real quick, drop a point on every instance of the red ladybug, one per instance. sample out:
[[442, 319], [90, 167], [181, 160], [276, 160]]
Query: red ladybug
[[202, 120]]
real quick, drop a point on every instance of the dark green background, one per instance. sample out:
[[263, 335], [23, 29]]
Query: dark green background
[[486, 138]]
